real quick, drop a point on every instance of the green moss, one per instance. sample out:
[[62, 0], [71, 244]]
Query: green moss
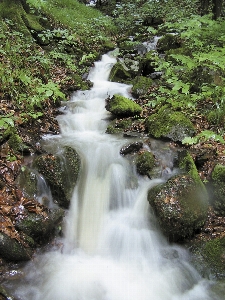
[[123, 107], [169, 124], [167, 42], [214, 253], [113, 130], [32, 22], [119, 74], [149, 63], [13, 10], [180, 205], [145, 163], [218, 181], [187, 165], [141, 85], [61, 173]]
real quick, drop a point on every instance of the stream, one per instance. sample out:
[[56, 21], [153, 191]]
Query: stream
[[112, 248]]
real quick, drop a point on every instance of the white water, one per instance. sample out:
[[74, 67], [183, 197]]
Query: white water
[[112, 248]]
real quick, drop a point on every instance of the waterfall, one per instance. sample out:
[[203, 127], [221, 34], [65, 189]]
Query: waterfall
[[112, 248]]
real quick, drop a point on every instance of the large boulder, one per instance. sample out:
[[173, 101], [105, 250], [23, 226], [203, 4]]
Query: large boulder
[[120, 73], [13, 250], [167, 42], [169, 124], [121, 106], [209, 256], [181, 204], [218, 183], [149, 63], [40, 227], [141, 85], [60, 172]]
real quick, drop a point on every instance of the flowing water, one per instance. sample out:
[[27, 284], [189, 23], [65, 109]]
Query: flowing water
[[112, 248]]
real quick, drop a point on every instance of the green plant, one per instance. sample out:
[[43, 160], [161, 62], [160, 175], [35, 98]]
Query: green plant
[[204, 136]]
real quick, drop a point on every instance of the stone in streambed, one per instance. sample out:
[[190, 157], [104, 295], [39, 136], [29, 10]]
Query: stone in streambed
[[181, 203], [169, 124], [61, 173], [121, 106]]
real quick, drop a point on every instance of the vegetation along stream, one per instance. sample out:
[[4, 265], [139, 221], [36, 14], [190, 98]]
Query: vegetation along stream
[[112, 247]]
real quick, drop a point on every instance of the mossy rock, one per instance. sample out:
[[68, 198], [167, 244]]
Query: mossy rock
[[12, 250], [60, 172], [40, 227], [141, 85], [218, 183], [148, 63], [187, 165], [28, 181], [167, 42], [120, 73], [209, 257], [121, 106], [14, 140], [169, 124], [145, 163], [118, 126], [17, 12], [180, 205]]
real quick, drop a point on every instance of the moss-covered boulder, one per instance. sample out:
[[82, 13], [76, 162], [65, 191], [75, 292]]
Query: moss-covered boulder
[[122, 107], [209, 256], [118, 126], [218, 183], [141, 85], [145, 162], [18, 12], [169, 124], [40, 227], [61, 173], [148, 63], [120, 73], [13, 250], [181, 204], [167, 42]]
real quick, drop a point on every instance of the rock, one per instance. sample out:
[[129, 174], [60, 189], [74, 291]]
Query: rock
[[131, 148], [122, 107], [181, 203], [120, 73], [218, 183], [145, 163], [209, 257], [169, 124], [61, 173], [40, 227], [12, 250], [118, 126], [149, 63], [4, 295], [141, 85], [167, 42]]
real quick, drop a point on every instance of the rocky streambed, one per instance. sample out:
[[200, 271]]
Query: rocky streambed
[[190, 205]]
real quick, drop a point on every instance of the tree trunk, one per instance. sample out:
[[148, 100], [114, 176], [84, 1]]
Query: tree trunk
[[217, 8]]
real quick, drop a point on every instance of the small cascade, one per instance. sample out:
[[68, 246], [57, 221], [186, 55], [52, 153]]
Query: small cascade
[[112, 247]]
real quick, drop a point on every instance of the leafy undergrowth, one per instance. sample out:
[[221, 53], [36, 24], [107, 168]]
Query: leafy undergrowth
[[45, 50]]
